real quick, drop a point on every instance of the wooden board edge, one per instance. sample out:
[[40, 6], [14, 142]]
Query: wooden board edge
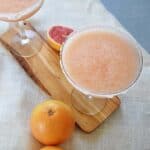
[[117, 103], [25, 66]]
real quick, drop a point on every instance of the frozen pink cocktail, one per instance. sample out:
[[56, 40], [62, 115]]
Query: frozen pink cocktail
[[24, 41], [16, 10], [101, 61], [14, 6]]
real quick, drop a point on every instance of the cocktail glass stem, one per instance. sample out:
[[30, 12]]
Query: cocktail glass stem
[[25, 41], [22, 33]]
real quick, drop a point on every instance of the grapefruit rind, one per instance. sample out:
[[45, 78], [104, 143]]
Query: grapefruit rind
[[53, 43]]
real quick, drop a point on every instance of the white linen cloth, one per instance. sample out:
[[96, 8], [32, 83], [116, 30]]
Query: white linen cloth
[[127, 129]]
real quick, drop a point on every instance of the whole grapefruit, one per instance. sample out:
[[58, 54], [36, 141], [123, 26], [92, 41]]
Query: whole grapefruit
[[52, 122], [51, 148]]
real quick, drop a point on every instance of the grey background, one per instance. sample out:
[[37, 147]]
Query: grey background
[[134, 15]]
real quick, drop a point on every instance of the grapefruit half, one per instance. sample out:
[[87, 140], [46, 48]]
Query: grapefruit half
[[57, 36]]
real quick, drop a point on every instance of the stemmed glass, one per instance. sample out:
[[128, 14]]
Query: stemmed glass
[[25, 42], [86, 101]]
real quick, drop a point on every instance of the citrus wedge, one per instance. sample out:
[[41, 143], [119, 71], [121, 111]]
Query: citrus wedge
[[57, 36]]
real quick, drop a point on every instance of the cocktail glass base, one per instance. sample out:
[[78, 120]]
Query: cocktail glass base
[[25, 42], [87, 104], [27, 47]]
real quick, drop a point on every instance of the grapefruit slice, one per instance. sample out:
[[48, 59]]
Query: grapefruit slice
[[57, 36]]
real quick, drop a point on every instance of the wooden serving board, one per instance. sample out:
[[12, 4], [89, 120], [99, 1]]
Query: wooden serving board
[[44, 69]]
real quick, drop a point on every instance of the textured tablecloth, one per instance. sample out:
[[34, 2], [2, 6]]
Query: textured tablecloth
[[126, 129]]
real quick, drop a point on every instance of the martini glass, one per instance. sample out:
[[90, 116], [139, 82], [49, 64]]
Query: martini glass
[[25, 42], [85, 100]]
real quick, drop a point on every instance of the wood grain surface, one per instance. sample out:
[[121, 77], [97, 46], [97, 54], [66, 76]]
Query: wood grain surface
[[44, 69]]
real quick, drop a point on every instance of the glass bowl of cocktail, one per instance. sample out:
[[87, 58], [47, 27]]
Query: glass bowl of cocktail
[[100, 63], [25, 42]]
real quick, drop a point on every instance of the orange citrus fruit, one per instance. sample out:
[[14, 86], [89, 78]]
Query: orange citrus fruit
[[57, 35], [52, 122], [51, 148]]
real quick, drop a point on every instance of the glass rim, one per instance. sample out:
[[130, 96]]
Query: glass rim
[[103, 94], [17, 15]]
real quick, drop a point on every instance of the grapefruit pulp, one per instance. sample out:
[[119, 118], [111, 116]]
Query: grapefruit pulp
[[57, 35]]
